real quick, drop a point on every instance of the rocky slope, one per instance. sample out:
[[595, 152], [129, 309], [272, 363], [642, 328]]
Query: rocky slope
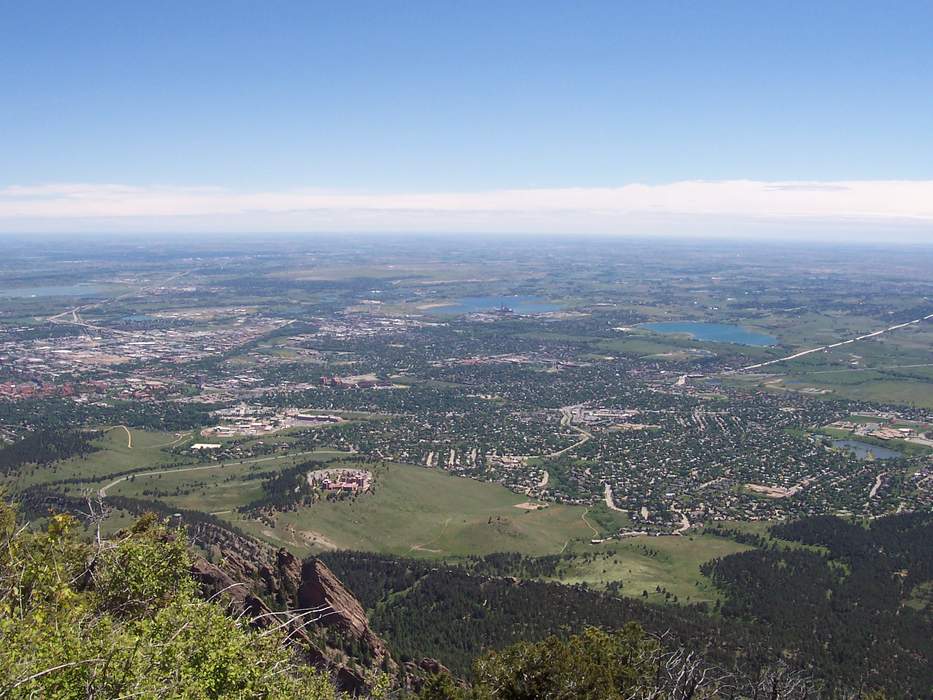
[[274, 588]]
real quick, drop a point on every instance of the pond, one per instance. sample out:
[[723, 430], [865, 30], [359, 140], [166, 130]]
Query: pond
[[518, 304], [714, 332], [861, 449]]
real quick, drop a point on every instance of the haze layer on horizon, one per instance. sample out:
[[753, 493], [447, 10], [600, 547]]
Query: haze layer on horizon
[[749, 120], [876, 211]]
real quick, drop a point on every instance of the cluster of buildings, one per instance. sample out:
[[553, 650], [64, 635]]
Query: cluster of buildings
[[875, 430], [365, 381], [17, 391], [13, 391], [352, 327], [342, 480], [535, 358], [889, 426], [251, 421], [100, 352]]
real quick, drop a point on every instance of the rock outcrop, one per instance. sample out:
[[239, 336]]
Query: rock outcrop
[[271, 587], [337, 608], [239, 595]]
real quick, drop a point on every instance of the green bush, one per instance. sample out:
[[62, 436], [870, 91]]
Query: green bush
[[596, 664], [121, 619]]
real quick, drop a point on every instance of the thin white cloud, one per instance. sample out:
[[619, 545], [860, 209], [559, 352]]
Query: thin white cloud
[[695, 206]]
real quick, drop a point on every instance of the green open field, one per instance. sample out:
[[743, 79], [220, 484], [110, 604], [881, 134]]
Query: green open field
[[412, 511], [426, 513], [429, 513], [420, 512], [119, 450], [644, 563], [871, 387], [214, 486], [895, 368]]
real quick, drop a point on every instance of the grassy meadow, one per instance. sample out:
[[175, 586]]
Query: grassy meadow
[[411, 511], [419, 512]]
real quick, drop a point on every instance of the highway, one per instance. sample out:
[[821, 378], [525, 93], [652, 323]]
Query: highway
[[833, 345]]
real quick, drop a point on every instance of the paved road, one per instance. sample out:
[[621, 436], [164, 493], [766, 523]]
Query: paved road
[[833, 345], [76, 320], [684, 522], [566, 420], [103, 491], [610, 501], [876, 486]]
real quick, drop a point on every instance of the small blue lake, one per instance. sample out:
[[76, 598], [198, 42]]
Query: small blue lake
[[518, 304], [861, 449], [713, 332]]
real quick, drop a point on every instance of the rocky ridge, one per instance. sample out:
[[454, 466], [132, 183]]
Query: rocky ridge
[[274, 588]]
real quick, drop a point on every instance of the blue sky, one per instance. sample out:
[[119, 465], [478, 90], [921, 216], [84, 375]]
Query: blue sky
[[440, 97]]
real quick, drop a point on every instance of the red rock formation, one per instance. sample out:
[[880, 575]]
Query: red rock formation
[[309, 594], [338, 608]]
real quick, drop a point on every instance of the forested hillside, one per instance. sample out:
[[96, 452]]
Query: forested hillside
[[74, 611], [847, 604], [854, 599], [44, 447]]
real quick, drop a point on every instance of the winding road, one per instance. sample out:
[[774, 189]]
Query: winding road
[[684, 521], [566, 421], [610, 501], [103, 491]]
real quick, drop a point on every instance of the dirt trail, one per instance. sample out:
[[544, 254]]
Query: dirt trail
[[129, 435], [588, 524], [424, 547], [181, 438]]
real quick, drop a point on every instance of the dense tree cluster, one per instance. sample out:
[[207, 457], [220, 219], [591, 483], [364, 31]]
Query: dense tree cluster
[[517, 565], [839, 611], [899, 544], [627, 664], [842, 606], [285, 490], [449, 612], [44, 447], [62, 414]]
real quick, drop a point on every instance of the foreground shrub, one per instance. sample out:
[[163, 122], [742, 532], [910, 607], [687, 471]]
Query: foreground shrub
[[120, 618]]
